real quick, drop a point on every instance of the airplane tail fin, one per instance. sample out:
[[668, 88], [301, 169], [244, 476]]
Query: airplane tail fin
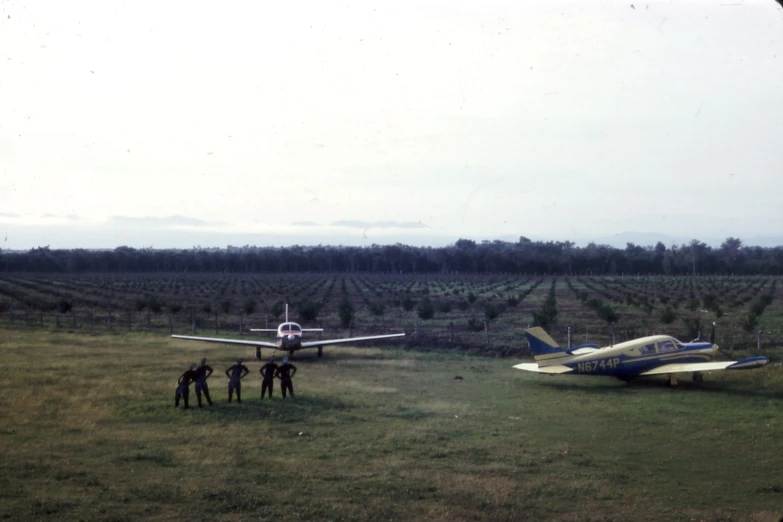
[[545, 349], [286, 312]]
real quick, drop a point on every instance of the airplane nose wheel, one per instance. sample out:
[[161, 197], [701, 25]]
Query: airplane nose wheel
[[320, 352], [698, 377], [258, 353]]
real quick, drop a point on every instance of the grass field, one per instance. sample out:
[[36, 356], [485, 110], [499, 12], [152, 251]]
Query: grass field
[[88, 431]]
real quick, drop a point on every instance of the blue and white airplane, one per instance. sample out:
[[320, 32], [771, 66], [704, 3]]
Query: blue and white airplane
[[289, 338], [653, 355]]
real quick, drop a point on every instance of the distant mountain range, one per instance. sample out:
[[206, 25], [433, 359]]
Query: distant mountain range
[[18, 237]]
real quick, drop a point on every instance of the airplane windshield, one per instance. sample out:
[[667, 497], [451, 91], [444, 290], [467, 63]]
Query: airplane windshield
[[290, 326]]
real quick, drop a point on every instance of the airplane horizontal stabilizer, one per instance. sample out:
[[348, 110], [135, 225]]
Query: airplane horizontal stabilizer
[[534, 367], [582, 350]]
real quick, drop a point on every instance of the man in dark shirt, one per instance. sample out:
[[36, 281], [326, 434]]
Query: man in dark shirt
[[202, 374], [268, 372], [183, 386], [286, 373], [235, 374]]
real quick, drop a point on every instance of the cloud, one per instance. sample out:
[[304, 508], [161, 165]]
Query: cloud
[[353, 223], [9, 215], [305, 224], [164, 222]]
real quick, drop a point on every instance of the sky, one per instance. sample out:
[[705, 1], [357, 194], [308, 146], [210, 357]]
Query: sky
[[190, 123]]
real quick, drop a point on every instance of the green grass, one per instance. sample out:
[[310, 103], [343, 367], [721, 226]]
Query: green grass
[[89, 432]]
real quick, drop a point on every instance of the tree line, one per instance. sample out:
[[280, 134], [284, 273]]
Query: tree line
[[464, 256]]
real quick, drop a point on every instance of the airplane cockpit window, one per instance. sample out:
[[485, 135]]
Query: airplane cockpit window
[[647, 348], [290, 327], [666, 346]]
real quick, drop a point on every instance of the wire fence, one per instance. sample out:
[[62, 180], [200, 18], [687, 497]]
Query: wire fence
[[481, 337]]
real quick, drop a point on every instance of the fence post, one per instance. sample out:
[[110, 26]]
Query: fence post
[[612, 333], [193, 319], [241, 325], [569, 337], [216, 322], [486, 332], [758, 341], [416, 330], [451, 331]]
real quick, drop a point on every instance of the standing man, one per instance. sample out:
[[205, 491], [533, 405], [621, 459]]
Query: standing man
[[202, 374], [235, 375], [183, 386], [268, 372], [286, 373]]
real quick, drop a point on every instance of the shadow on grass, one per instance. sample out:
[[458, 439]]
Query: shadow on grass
[[605, 385], [250, 410]]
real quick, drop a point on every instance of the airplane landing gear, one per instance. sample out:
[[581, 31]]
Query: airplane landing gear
[[320, 351], [672, 380], [698, 377], [258, 353]]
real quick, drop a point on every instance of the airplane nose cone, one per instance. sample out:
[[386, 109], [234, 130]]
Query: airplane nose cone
[[291, 337]]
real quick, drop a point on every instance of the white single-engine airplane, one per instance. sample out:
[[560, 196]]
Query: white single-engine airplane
[[289, 338], [653, 355]]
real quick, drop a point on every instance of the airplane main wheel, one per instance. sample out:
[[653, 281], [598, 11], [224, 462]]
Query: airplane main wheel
[[258, 353], [320, 352], [698, 377]]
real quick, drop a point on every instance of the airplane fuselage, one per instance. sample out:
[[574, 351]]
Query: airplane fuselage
[[634, 357], [289, 337], [628, 361]]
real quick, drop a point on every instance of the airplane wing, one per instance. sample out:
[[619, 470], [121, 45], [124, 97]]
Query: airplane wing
[[349, 340], [534, 367], [225, 341], [263, 330], [745, 364]]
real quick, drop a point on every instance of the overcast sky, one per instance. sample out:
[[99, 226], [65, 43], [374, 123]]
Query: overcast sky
[[183, 123]]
